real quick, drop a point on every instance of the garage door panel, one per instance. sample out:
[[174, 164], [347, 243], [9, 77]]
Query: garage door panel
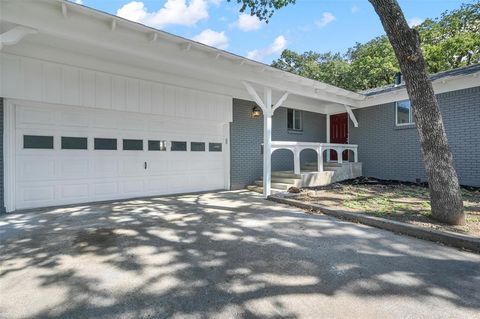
[[75, 168], [157, 167], [132, 167], [30, 193], [75, 119], [44, 169], [29, 116], [132, 187], [102, 120], [75, 191], [105, 167], [132, 124], [103, 189], [157, 185]]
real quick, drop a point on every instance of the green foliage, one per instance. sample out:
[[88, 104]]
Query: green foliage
[[372, 64], [364, 66], [453, 40], [326, 67], [263, 9], [448, 42]]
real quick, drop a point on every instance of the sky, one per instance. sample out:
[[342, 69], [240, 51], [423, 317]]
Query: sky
[[317, 25]]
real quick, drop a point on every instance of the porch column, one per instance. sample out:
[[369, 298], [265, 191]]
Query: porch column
[[320, 159], [267, 109], [339, 155], [296, 160], [267, 141]]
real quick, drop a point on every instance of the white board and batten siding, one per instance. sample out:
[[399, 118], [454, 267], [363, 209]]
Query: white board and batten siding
[[49, 99], [42, 81]]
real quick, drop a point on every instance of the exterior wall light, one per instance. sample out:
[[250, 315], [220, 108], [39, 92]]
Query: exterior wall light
[[256, 112]]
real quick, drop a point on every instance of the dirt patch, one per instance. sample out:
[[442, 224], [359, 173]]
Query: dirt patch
[[404, 202]]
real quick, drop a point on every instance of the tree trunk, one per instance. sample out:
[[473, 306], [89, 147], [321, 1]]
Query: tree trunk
[[445, 195]]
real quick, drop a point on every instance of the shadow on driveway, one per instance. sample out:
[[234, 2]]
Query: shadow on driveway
[[223, 255]]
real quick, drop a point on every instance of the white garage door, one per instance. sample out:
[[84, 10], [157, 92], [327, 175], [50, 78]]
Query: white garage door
[[70, 155]]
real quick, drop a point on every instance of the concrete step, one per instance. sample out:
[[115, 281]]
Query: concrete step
[[285, 174], [259, 189], [284, 180], [279, 186]]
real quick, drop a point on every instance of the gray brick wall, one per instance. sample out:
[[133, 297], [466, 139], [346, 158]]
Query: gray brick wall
[[246, 137], [2, 205], [391, 152]]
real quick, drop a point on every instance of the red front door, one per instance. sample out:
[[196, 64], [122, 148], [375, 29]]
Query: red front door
[[339, 133]]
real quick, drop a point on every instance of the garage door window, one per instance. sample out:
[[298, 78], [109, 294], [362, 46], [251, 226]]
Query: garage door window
[[133, 145], [157, 145], [38, 142], [178, 146], [74, 143], [215, 147], [105, 143], [197, 147]]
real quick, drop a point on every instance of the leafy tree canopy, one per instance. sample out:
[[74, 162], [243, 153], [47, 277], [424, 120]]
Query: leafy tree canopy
[[448, 42]]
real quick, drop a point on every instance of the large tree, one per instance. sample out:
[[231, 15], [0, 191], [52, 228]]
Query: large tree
[[449, 41], [327, 67], [445, 196]]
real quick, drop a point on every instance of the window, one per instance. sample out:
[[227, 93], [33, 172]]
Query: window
[[105, 143], [215, 147], [133, 145], [294, 120], [157, 145], [74, 143], [178, 146], [197, 147], [403, 113], [38, 141]]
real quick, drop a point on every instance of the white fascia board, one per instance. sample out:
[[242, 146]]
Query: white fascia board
[[441, 85], [83, 28]]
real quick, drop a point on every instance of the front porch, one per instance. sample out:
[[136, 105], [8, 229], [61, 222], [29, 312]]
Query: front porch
[[322, 172], [335, 159]]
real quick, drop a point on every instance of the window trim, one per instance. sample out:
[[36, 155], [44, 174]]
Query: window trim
[[295, 114], [410, 114]]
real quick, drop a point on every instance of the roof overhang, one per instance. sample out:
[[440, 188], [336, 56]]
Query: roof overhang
[[442, 85], [64, 30], [82, 30]]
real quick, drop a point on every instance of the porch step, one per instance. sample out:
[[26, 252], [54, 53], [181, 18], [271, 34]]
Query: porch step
[[326, 166], [259, 189], [279, 186], [332, 172], [285, 174]]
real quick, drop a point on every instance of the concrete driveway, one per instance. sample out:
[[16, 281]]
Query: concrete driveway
[[223, 255]]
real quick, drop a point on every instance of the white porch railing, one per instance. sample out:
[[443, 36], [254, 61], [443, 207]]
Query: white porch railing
[[298, 147]]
